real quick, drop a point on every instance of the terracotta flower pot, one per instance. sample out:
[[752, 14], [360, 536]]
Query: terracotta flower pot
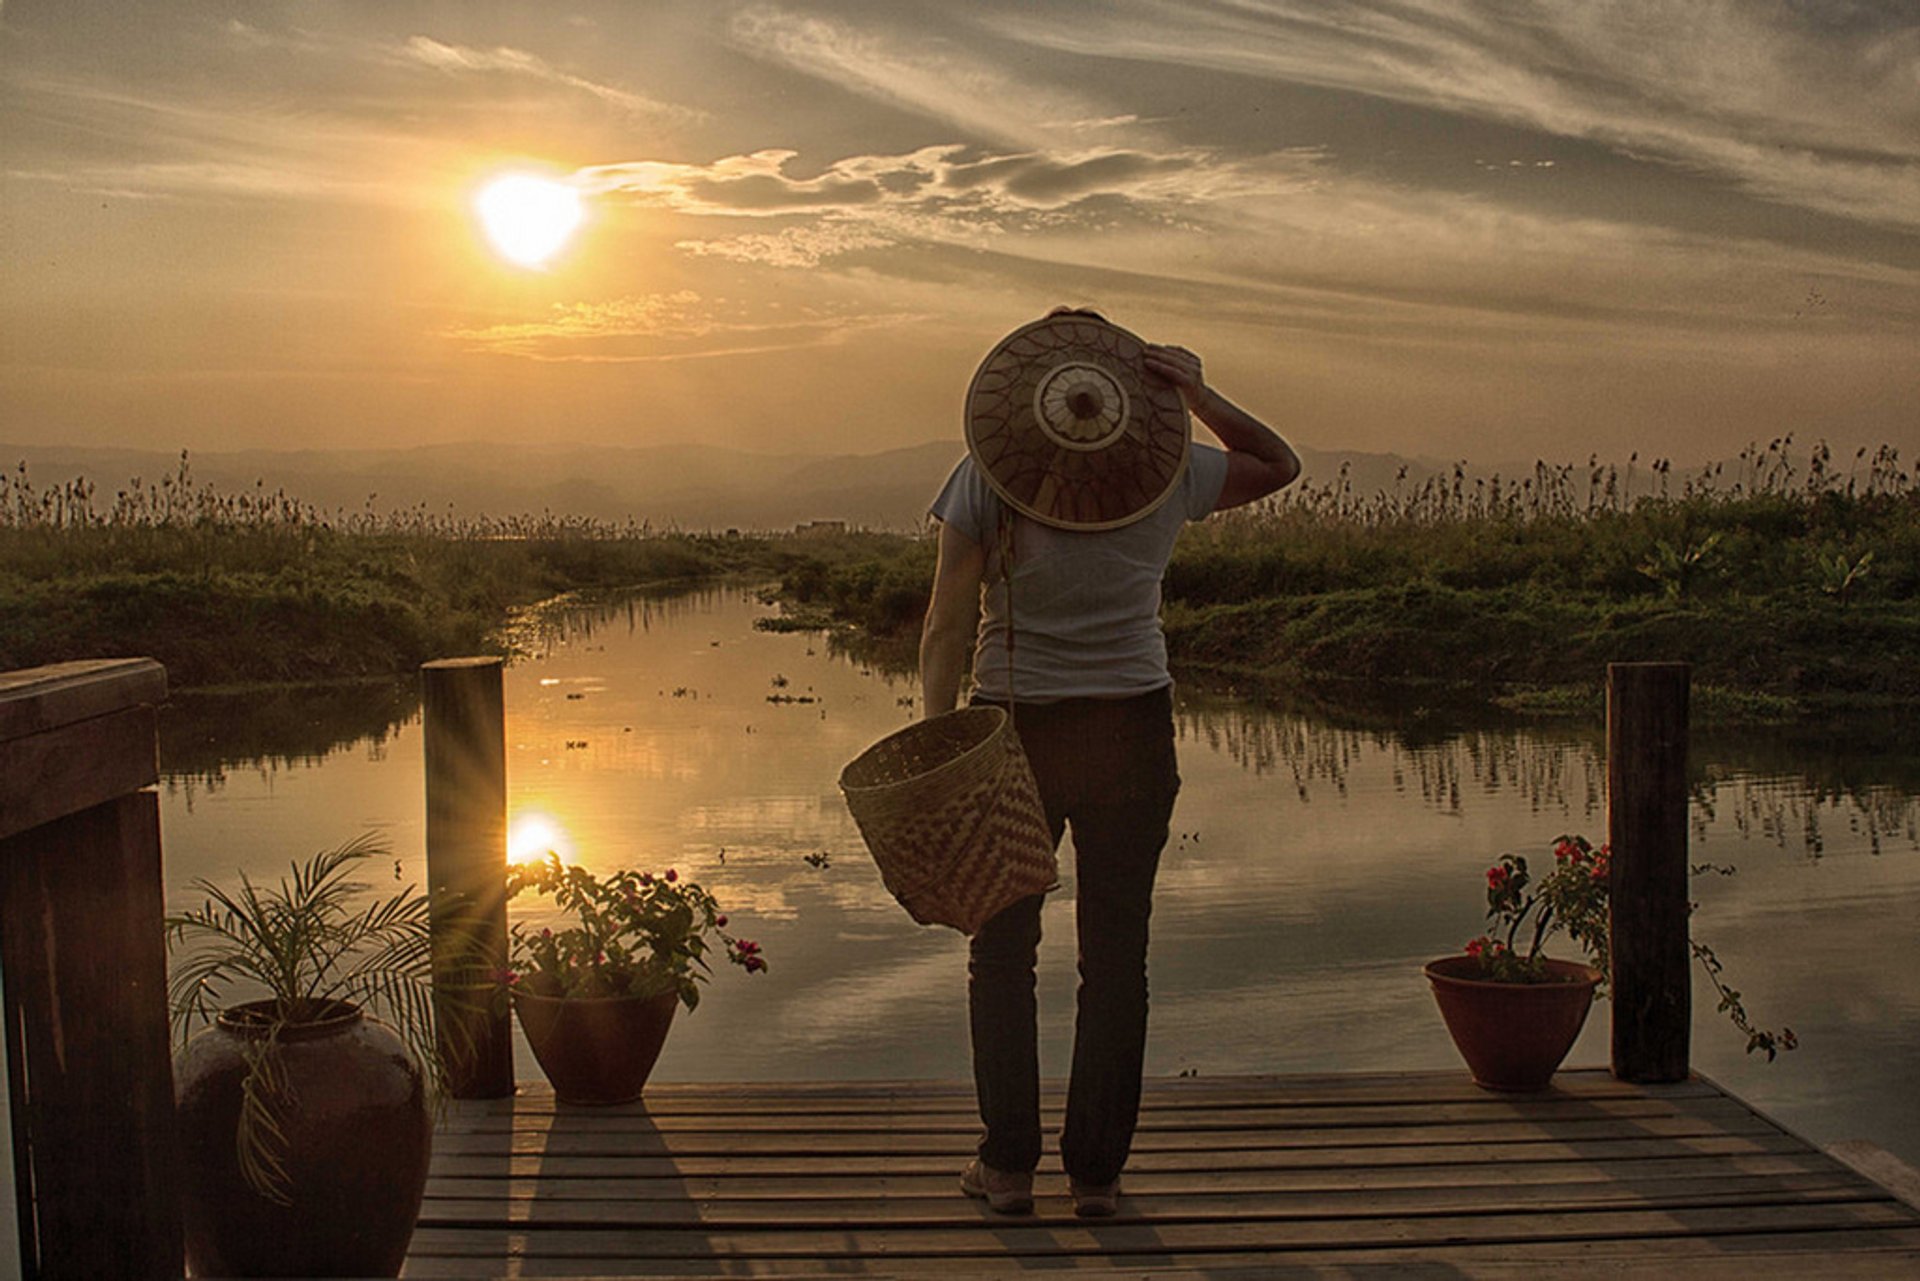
[[354, 1200], [1512, 1035], [596, 1049]]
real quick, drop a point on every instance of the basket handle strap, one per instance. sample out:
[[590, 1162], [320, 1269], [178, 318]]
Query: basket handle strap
[[1006, 573]]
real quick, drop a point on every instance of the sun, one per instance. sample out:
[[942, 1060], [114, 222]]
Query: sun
[[533, 836], [528, 219]]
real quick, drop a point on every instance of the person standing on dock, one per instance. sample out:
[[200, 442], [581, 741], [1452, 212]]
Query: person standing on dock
[[1055, 533]]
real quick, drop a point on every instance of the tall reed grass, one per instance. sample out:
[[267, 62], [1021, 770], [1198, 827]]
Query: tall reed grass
[[1765, 523], [1786, 578], [226, 587], [1780, 571]]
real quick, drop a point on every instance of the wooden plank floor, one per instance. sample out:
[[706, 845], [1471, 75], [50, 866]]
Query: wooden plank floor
[[1344, 1175]]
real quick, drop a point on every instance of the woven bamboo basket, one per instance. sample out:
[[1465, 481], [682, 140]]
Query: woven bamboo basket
[[950, 812]]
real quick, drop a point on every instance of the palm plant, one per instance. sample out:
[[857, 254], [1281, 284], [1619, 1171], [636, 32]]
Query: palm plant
[[316, 950]]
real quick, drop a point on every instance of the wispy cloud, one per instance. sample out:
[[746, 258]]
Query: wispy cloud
[[456, 59], [1799, 105], [762, 183], [1286, 239], [683, 325], [328, 129], [171, 180], [957, 87], [949, 194], [792, 247], [755, 185], [252, 38], [214, 147]]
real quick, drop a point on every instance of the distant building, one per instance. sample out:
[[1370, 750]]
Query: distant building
[[820, 528]]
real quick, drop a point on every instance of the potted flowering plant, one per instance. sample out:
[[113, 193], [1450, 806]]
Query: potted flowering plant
[[1572, 897], [596, 995], [1513, 1012]]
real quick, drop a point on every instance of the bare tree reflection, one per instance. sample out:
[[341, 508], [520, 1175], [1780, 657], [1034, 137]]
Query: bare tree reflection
[[1787, 787]]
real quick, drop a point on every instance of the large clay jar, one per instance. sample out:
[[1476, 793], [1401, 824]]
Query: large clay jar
[[1512, 1035], [358, 1135], [596, 1049]]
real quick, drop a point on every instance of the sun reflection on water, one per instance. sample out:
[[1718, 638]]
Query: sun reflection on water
[[532, 835]]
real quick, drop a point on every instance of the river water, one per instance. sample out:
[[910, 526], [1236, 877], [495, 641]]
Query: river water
[[1318, 860]]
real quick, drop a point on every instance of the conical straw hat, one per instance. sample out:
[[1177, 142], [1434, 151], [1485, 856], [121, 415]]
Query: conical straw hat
[[1065, 425]]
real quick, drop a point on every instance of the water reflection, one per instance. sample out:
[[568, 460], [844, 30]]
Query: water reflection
[[1739, 780], [1320, 855], [531, 836], [1550, 771], [205, 736], [576, 618], [1791, 787], [1797, 815]]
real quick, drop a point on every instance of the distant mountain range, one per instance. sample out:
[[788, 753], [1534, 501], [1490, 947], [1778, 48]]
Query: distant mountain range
[[685, 486]]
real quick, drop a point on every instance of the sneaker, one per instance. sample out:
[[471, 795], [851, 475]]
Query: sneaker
[[1004, 1191], [1095, 1200]]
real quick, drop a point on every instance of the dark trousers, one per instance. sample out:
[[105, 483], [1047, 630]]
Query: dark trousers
[[1105, 766]]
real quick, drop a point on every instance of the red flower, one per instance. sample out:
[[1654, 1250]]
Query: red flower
[[672, 875], [755, 964], [1475, 947], [1497, 876], [1566, 851], [720, 921]]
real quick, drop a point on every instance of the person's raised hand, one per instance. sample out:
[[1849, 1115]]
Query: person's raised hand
[[1180, 367]]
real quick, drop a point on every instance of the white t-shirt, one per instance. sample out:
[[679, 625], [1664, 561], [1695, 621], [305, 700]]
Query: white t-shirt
[[1088, 601]]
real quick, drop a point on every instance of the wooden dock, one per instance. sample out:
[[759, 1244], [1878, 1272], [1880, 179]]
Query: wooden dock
[[1350, 1175]]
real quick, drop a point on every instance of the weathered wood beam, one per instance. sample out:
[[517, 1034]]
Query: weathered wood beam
[[466, 779], [84, 957], [1647, 826], [74, 735]]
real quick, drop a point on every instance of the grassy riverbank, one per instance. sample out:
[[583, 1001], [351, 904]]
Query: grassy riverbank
[[258, 588], [1790, 586]]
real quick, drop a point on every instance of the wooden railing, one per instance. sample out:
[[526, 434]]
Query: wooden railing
[[84, 958]]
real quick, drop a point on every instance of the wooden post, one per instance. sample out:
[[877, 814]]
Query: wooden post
[[83, 951], [1647, 826], [466, 767]]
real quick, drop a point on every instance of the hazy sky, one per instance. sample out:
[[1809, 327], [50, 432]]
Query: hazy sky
[[1456, 229]]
